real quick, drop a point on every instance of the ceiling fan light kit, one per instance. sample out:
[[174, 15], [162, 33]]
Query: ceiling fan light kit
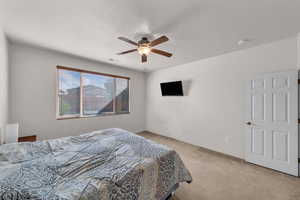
[[145, 47]]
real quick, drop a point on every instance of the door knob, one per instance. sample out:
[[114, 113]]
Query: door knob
[[248, 123]]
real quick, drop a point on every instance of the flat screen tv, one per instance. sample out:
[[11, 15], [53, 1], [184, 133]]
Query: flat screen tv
[[171, 88]]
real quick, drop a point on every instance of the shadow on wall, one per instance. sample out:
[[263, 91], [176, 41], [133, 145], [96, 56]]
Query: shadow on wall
[[186, 86]]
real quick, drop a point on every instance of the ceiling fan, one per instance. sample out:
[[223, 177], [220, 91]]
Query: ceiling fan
[[144, 47]]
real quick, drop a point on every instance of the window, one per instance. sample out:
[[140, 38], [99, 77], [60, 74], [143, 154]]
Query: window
[[69, 92], [83, 94]]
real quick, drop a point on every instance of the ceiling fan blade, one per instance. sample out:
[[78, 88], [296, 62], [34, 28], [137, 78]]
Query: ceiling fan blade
[[128, 40], [159, 41], [144, 58], [160, 52], [129, 51]]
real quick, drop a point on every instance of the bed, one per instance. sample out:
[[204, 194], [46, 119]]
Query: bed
[[110, 164]]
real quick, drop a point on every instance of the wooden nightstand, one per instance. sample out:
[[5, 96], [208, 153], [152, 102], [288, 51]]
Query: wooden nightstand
[[31, 138]]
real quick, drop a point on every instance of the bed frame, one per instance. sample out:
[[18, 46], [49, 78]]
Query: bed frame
[[171, 193]]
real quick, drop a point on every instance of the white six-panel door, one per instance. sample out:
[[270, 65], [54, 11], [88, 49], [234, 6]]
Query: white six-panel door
[[272, 121]]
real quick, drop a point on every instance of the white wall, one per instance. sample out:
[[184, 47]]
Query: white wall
[[212, 113], [32, 94], [3, 82], [298, 50]]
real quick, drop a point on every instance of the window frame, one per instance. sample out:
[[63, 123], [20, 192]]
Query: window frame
[[81, 115]]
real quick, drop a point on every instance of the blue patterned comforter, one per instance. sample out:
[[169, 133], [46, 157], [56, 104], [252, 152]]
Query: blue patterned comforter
[[110, 164]]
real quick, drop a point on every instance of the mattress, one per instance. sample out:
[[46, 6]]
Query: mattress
[[106, 164]]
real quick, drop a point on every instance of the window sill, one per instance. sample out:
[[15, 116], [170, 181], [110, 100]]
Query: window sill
[[90, 116]]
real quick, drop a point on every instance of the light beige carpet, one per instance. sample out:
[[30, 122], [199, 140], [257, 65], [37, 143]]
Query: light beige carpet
[[217, 177]]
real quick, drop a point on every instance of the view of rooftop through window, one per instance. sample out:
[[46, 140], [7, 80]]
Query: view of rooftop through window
[[69, 92], [90, 94], [98, 92]]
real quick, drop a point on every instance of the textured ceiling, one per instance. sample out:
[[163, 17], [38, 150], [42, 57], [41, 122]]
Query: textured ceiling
[[197, 28]]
